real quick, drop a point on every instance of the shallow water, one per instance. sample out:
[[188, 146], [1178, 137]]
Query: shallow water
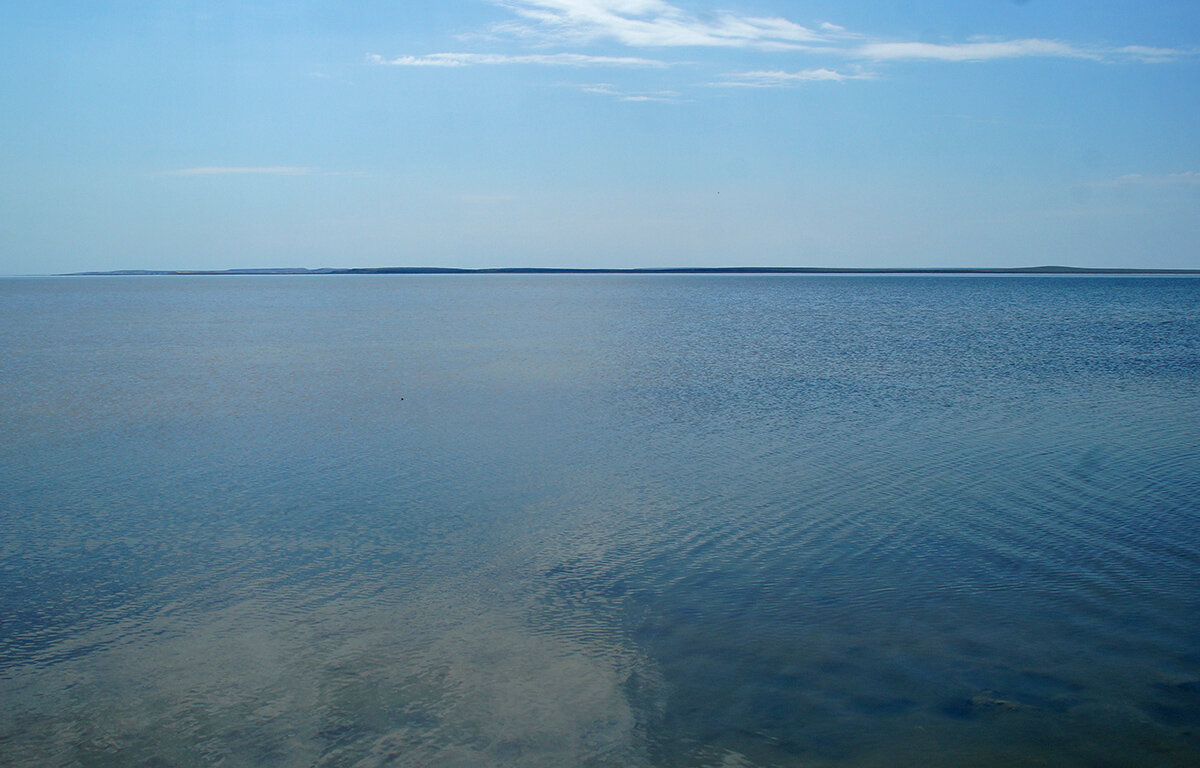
[[600, 520]]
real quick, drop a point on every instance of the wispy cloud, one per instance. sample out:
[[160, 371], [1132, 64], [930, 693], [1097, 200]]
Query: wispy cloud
[[659, 23], [1151, 55], [988, 50], [662, 24], [479, 198], [228, 170], [971, 51], [607, 89], [781, 79], [482, 59], [652, 23], [1189, 178]]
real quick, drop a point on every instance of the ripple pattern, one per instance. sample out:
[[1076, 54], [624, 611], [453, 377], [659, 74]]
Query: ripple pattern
[[600, 521]]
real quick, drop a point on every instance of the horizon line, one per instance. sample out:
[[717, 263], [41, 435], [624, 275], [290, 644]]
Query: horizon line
[[1032, 270]]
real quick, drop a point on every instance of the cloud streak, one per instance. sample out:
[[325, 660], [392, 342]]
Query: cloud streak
[[1151, 55], [607, 89], [662, 24], [1185, 178], [228, 170], [781, 79], [975, 51], [652, 23], [484, 59]]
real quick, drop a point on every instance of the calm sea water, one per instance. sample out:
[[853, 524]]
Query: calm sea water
[[600, 521]]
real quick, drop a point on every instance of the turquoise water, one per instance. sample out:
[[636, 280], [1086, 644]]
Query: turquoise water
[[602, 520]]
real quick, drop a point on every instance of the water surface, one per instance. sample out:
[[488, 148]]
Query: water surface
[[601, 520]]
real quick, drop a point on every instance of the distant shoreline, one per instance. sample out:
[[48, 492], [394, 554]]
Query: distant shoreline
[[1042, 270]]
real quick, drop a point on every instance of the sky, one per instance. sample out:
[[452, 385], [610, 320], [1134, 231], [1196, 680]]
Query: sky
[[202, 134]]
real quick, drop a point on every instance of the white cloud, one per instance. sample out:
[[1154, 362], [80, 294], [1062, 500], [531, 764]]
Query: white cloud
[[486, 198], [226, 170], [650, 23], [781, 79], [1191, 178], [1151, 55], [564, 24], [976, 51], [607, 89], [551, 59]]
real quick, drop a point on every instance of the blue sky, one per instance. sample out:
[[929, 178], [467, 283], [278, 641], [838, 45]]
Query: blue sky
[[188, 134]]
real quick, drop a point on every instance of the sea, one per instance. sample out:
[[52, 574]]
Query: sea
[[827, 521]]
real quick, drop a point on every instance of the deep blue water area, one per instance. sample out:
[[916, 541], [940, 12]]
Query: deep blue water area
[[600, 520]]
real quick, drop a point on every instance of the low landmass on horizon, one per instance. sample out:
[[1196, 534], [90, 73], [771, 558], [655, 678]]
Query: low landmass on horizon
[[1041, 270]]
